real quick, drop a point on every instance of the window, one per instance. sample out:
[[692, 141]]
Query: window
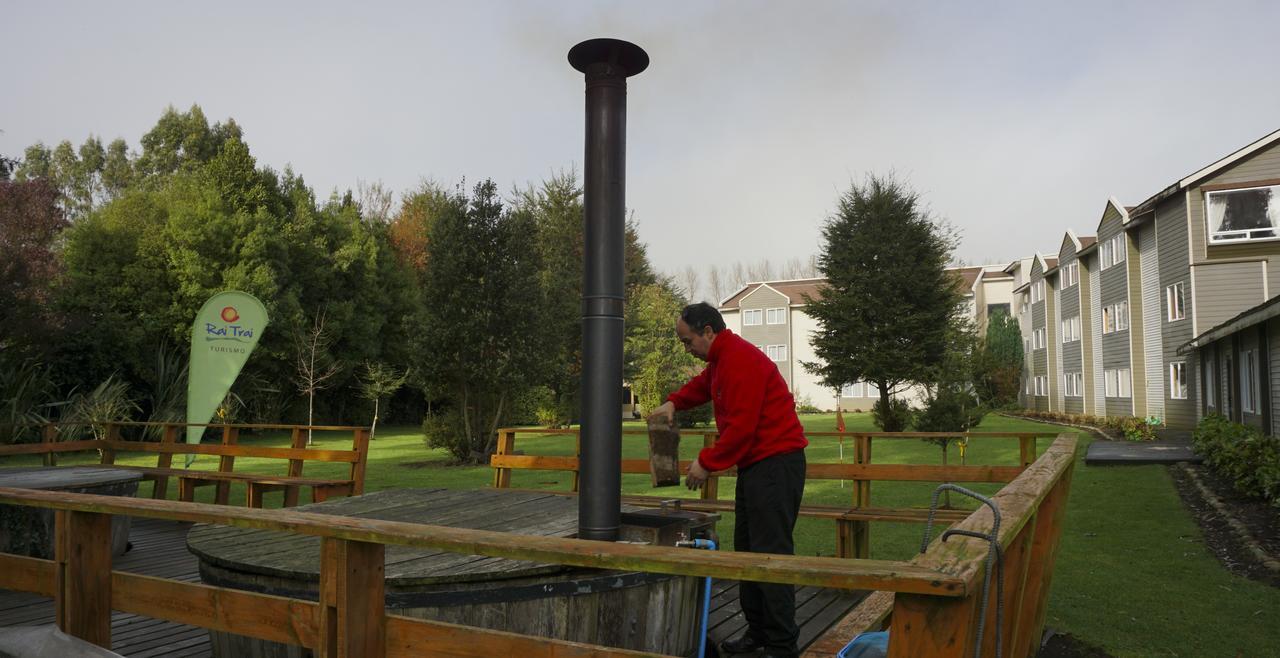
[[1073, 384], [1210, 371], [873, 391], [1175, 302], [1117, 383], [776, 352], [1037, 291], [1245, 214], [1038, 339], [752, 317], [852, 390], [1070, 274], [1112, 251], [1042, 385], [776, 316], [993, 309], [1115, 317], [1030, 381], [1178, 381], [1248, 377], [1071, 329]]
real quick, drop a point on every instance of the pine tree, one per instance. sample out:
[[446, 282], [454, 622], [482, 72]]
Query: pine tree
[[888, 305]]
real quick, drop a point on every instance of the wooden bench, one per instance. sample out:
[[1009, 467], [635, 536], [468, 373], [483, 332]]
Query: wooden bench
[[291, 482], [852, 523]]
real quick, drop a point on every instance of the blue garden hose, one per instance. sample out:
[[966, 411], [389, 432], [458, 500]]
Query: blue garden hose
[[706, 592]]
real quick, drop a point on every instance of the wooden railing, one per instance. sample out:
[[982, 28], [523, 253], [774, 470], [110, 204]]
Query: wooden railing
[[931, 602], [852, 523], [53, 443]]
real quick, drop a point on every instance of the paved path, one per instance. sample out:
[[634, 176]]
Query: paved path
[[1166, 450]]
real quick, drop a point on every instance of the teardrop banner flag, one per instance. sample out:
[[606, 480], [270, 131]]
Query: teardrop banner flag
[[225, 331]]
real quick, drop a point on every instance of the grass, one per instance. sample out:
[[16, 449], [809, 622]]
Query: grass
[[1133, 574]]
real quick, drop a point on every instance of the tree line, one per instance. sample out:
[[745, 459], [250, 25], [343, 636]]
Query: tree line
[[458, 304]]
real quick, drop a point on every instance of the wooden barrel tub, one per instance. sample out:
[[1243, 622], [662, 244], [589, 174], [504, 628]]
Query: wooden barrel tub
[[630, 610], [29, 530]]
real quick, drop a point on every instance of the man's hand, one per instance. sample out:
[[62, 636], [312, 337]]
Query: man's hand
[[665, 410], [697, 475]]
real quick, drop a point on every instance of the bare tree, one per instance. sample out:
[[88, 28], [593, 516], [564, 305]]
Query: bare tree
[[375, 201], [689, 279], [761, 271], [315, 366], [740, 276], [716, 283]]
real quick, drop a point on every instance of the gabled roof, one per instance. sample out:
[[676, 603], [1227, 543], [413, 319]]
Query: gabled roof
[[1121, 210], [794, 290], [1191, 179]]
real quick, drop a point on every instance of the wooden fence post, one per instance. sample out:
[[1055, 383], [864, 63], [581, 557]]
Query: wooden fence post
[[160, 486], [1044, 551], [49, 436], [577, 454], [361, 445], [710, 488], [297, 441], [1027, 449], [923, 626], [859, 532], [506, 446], [109, 453], [352, 601], [82, 553], [226, 464]]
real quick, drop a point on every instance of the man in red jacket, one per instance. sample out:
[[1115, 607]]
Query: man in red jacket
[[761, 435]]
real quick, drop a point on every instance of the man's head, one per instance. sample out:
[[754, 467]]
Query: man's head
[[697, 327]]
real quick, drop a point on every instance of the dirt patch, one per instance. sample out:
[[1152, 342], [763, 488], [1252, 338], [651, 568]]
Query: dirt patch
[[1065, 645], [1260, 522], [424, 464]]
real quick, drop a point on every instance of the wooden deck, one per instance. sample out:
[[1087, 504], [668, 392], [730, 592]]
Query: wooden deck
[[159, 549]]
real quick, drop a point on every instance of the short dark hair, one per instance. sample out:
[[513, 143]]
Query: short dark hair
[[701, 315]]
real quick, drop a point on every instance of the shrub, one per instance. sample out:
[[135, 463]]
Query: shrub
[[701, 415], [805, 406], [1242, 454], [535, 404], [443, 430], [897, 418]]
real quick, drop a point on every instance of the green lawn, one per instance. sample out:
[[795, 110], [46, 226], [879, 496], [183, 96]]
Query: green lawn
[[1133, 575]]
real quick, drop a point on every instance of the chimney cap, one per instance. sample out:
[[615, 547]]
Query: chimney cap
[[632, 58]]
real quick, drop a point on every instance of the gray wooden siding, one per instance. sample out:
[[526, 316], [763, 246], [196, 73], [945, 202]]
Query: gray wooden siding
[[1055, 345], [1152, 352], [1224, 290], [1175, 267], [1273, 367], [1095, 339], [1263, 165], [769, 334]]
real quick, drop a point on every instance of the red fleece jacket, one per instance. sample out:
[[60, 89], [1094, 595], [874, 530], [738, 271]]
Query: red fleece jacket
[[755, 413]]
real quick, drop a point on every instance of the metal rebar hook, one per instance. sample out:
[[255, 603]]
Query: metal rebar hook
[[994, 558]]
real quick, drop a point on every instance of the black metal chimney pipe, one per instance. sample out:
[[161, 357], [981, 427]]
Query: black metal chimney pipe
[[606, 64]]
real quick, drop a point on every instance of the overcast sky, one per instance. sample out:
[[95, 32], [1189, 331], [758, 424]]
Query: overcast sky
[[1015, 121]]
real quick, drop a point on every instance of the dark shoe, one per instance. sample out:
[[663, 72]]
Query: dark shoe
[[745, 643]]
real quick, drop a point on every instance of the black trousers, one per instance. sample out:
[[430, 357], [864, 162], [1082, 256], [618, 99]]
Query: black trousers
[[766, 506]]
